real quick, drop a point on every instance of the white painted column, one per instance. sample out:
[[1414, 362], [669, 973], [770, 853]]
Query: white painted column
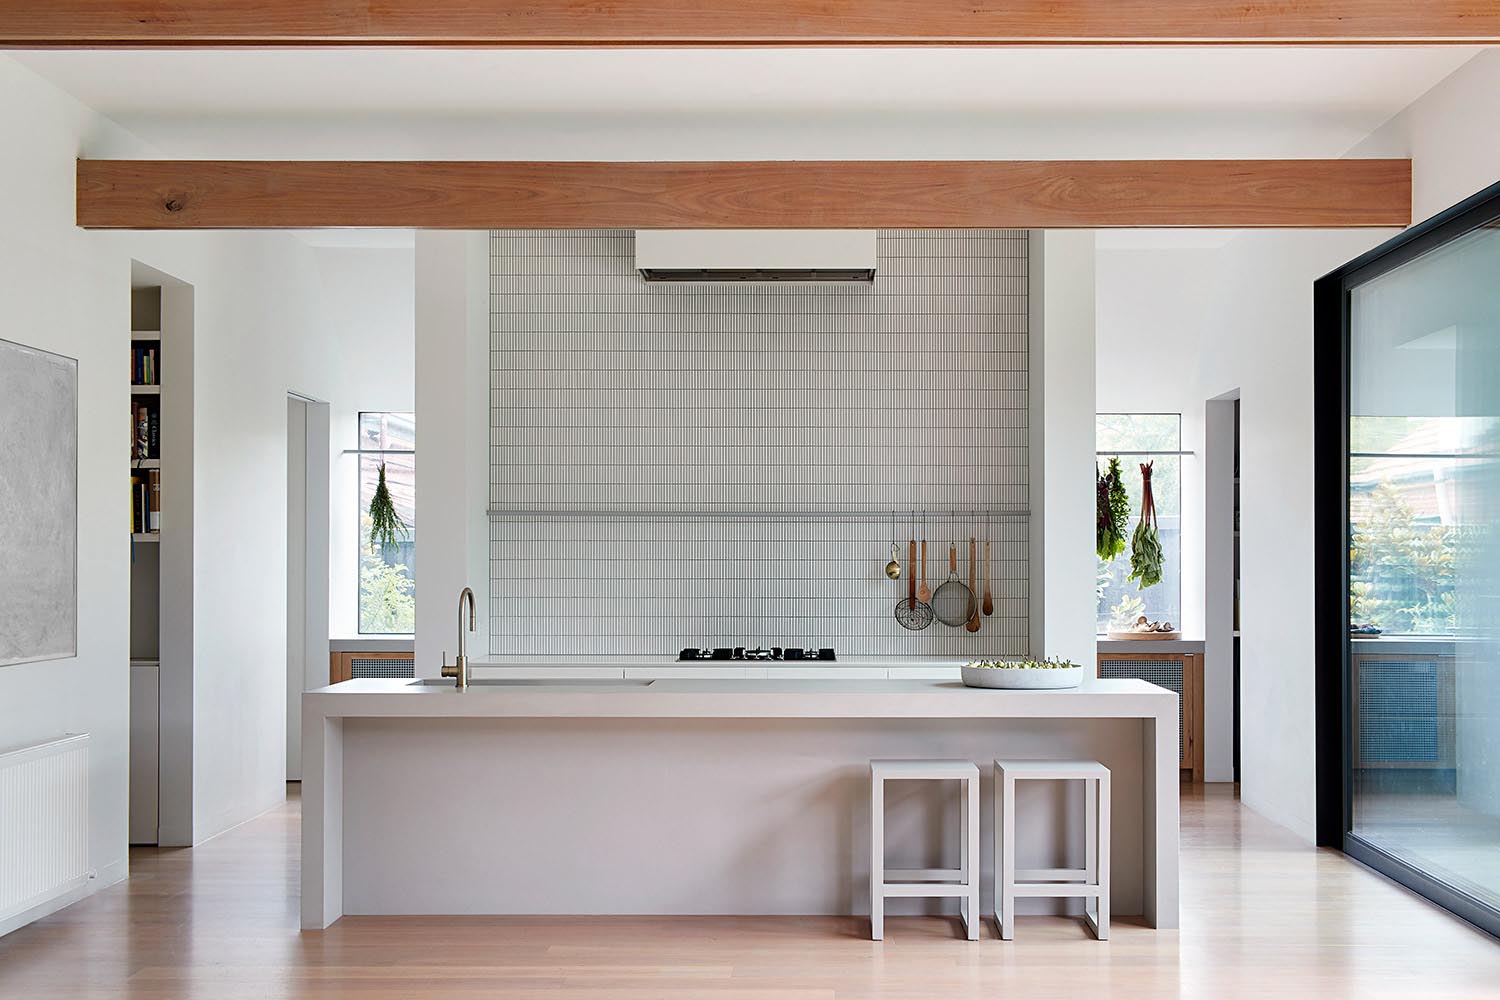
[[322, 820], [452, 376], [177, 765], [1218, 590], [1062, 442]]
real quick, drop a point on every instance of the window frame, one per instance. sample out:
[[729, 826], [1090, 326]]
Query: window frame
[[1333, 695], [1179, 454], [359, 510]]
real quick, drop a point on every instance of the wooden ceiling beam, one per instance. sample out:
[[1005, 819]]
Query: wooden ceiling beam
[[207, 23], [806, 194]]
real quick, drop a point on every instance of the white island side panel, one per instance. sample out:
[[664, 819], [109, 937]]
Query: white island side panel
[[699, 796]]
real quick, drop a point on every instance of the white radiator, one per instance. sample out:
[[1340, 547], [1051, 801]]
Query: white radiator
[[44, 824]]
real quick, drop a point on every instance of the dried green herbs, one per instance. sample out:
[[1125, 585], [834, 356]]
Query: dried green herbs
[[1112, 511], [1145, 544], [385, 524]]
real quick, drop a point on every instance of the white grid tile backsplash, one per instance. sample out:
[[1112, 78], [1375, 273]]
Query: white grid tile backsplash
[[685, 465]]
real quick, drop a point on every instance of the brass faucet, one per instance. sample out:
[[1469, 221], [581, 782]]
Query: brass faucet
[[459, 669]]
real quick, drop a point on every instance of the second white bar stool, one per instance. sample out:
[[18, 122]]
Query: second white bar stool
[[1091, 881], [962, 881]]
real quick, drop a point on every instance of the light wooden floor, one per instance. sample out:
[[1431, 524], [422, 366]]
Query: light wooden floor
[[1263, 916]]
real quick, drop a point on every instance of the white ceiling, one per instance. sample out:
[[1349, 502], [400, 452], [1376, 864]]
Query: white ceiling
[[1368, 79], [795, 103]]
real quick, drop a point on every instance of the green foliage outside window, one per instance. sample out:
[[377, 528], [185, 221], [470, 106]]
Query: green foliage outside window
[[1402, 571]]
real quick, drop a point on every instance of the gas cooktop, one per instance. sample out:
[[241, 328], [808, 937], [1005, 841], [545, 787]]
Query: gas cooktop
[[824, 653]]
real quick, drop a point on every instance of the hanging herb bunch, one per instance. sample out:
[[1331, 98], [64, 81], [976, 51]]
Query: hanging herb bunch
[[386, 526], [1145, 544], [1112, 511]]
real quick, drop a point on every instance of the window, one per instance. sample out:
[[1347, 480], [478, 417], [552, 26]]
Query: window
[[387, 582], [1408, 587], [1138, 438], [1411, 480]]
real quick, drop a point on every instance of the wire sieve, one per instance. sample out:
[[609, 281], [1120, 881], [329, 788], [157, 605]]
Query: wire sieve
[[910, 612], [952, 603]]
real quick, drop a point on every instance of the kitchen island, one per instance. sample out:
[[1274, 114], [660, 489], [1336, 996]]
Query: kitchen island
[[700, 796]]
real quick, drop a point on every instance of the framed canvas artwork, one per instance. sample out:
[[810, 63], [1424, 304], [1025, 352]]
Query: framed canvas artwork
[[38, 505]]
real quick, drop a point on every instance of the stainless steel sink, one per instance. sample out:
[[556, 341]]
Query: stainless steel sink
[[576, 682]]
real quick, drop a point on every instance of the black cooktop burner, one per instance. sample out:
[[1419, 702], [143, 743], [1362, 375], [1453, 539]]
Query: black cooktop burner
[[823, 653]]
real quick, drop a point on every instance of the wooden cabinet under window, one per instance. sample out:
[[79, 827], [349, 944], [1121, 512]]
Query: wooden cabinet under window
[[1179, 672], [1404, 708], [345, 666]]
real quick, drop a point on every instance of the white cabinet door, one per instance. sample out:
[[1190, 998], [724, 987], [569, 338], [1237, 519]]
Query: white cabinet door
[[814, 672], [689, 672], [144, 729], [546, 673], [926, 672]]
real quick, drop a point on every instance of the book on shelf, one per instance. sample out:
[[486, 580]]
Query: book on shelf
[[145, 502], [140, 424], [145, 431], [153, 510], [143, 370]]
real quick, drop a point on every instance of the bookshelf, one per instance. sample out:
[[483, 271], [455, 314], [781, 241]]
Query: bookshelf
[[161, 560], [147, 362], [146, 584]]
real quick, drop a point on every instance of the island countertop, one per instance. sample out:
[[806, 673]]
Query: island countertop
[[733, 698], [688, 795]]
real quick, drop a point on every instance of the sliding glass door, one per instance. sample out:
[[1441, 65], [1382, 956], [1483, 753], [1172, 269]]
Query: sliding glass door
[[1419, 730]]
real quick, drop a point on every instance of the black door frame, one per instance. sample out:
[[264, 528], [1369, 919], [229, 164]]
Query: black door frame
[[1331, 322]]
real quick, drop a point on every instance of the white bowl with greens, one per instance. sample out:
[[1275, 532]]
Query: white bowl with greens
[[1023, 675]]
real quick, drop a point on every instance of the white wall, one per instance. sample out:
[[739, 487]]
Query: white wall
[[452, 405], [368, 296], [1240, 316], [1265, 317], [1450, 133], [259, 333], [63, 294], [1062, 500]]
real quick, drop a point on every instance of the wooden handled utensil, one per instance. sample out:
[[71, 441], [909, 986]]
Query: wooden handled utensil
[[973, 624], [912, 613], [952, 603], [989, 599], [924, 592]]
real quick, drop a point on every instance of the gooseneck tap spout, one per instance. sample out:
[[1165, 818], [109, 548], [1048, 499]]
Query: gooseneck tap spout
[[459, 669]]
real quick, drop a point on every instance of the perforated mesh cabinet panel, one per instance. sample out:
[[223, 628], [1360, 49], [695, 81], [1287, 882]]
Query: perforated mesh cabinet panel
[[1399, 711], [686, 465], [1166, 673], [376, 666]]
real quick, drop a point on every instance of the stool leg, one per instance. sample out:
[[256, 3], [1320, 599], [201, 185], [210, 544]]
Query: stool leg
[[1102, 928], [1090, 836], [997, 796], [877, 858], [1007, 904], [963, 850], [971, 858]]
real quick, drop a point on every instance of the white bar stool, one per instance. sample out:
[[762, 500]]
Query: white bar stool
[[1091, 881], [962, 881]]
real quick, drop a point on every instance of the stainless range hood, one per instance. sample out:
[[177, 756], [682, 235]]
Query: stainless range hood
[[755, 255]]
